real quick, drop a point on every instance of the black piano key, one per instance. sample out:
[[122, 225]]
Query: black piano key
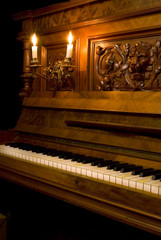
[[46, 151], [81, 159], [138, 171], [8, 144], [23, 146], [113, 164], [15, 145], [104, 163], [89, 160], [97, 162], [63, 154], [77, 156], [130, 168], [120, 166], [26, 147], [55, 153], [42, 150], [148, 173], [156, 176], [68, 156], [37, 149]]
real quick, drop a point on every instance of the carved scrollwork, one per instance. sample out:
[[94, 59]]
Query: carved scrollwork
[[129, 67], [58, 76]]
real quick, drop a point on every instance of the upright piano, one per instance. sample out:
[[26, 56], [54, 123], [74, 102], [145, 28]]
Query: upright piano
[[93, 137]]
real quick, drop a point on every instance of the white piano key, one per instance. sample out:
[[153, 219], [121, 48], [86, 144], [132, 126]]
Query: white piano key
[[30, 158], [100, 172], [89, 173], [132, 181], [38, 160], [74, 169], [107, 175], [46, 162], [140, 183], [84, 171], [42, 161], [69, 168], [112, 175], [159, 190], [122, 179], [126, 179], [115, 177], [100, 176], [19, 155], [27, 157], [94, 174], [59, 165], [50, 164], [155, 186], [148, 185]]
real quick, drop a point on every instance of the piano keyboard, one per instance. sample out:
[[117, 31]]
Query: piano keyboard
[[132, 176]]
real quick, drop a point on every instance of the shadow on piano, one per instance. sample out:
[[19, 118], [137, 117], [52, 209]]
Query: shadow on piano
[[35, 216]]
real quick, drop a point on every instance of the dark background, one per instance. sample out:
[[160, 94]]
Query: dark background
[[32, 215], [11, 59]]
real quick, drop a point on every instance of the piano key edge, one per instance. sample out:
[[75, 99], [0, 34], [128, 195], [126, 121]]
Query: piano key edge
[[110, 200]]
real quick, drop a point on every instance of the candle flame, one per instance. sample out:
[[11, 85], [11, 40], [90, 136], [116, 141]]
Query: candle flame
[[70, 38], [34, 39]]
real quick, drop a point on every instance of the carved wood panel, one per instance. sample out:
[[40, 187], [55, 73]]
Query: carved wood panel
[[125, 63]]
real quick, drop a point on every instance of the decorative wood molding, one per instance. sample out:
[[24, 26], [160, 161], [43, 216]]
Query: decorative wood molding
[[50, 9], [86, 14], [77, 14]]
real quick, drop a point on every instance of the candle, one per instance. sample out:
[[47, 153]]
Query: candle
[[34, 47], [69, 46]]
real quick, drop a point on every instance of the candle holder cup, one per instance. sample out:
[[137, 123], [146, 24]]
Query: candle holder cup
[[34, 61]]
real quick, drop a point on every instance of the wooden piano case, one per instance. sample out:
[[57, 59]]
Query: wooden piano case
[[113, 110]]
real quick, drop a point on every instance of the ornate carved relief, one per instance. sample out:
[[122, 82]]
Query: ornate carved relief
[[129, 66], [58, 76], [96, 10]]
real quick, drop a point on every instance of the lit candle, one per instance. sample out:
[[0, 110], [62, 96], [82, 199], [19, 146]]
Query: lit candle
[[34, 47], [69, 46]]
